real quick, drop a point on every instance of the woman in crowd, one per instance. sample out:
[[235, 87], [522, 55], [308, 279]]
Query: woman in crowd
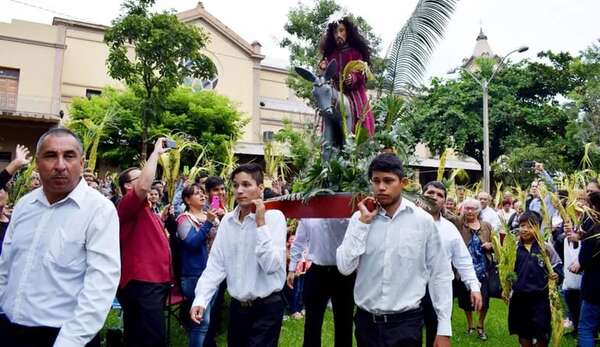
[[477, 236], [193, 228], [154, 199]]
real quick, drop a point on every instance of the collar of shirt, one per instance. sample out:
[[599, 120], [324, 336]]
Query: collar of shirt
[[77, 195], [404, 205], [236, 216]]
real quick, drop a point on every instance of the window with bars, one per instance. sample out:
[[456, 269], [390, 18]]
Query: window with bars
[[9, 88]]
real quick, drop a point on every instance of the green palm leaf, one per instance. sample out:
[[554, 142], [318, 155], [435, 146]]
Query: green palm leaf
[[410, 52]]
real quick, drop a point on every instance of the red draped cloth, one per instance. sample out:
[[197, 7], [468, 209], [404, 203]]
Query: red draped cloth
[[356, 92]]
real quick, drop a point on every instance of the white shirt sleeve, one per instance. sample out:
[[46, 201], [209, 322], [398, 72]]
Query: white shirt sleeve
[[5, 257], [100, 281], [299, 245], [270, 242], [214, 273], [353, 246], [463, 262], [440, 280]]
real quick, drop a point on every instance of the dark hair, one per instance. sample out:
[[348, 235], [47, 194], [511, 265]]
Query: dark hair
[[58, 132], [435, 184], [124, 178], [212, 182], [531, 217], [353, 38], [251, 169], [269, 193], [386, 162], [189, 191]]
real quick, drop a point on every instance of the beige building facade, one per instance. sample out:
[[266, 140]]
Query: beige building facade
[[49, 65]]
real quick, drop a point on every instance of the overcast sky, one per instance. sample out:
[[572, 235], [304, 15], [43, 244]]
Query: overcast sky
[[559, 25]]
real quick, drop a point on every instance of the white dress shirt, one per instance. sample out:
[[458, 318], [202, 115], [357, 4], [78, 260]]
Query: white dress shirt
[[489, 215], [395, 259], [252, 259], [458, 253], [321, 237], [60, 263]]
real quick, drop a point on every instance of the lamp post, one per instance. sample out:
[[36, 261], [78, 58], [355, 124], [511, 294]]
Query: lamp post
[[484, 83]]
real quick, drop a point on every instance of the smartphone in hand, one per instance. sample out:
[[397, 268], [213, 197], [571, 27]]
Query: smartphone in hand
[[215, 203]]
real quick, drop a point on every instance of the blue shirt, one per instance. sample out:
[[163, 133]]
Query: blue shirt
[[194, 248], [480, 261], [532, 275]]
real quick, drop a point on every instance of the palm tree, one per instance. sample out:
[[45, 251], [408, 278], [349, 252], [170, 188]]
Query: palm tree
[[409, 54]]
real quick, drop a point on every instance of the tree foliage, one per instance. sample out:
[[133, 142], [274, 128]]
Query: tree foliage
[[165, 51], [543, 111], [210, 119]]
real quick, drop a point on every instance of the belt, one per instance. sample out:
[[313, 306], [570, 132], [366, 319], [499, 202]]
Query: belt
[[271, 298], [392, 317]]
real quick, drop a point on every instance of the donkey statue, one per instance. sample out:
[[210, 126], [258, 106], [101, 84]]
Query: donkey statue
[[329, 107]]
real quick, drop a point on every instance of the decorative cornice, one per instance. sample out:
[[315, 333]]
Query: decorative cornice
[[32, 42]]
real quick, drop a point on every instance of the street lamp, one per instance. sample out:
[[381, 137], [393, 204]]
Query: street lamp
[[484, 83]]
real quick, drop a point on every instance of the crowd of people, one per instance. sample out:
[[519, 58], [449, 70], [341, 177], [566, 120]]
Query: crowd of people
[[75, 243]]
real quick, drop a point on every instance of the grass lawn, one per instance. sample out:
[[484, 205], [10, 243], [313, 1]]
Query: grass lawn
[[292, 330]]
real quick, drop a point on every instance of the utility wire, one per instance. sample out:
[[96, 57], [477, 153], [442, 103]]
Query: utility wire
[[62, 14]]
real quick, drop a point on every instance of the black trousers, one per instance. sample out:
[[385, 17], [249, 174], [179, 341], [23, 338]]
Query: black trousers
[[15, 335], [255, 324], [321, 284], [216, 319], [143, 313], [397, 330], [573, 300], [431, 320]]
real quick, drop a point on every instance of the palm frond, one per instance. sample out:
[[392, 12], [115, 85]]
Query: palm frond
[[442, 167], [410, 52]]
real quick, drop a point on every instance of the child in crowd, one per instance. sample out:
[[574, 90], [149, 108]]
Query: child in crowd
[[529, 308]]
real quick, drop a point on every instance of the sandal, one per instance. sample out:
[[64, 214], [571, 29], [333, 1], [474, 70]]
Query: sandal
[[482, 335]]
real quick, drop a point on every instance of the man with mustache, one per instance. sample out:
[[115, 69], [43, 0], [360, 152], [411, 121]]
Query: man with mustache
[[344, 43], [60, 265], [397, 254], [457, 254]]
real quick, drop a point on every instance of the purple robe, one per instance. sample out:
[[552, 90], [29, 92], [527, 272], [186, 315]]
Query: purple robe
[[356, 92]]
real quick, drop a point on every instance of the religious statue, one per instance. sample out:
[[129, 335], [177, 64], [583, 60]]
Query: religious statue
[[350, 49], [346, 54]]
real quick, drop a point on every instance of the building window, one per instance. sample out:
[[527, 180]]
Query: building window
[[5, 157], [92, 92], [197, 84], [267, 136], [9, 88]]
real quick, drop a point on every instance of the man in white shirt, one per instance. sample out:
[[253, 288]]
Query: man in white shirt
[[456, 252], [249, 252], [60, 263], [487, 213], [323, 281], [397, 252]]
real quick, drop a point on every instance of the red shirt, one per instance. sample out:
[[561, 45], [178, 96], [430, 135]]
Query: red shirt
[[145, 252]]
